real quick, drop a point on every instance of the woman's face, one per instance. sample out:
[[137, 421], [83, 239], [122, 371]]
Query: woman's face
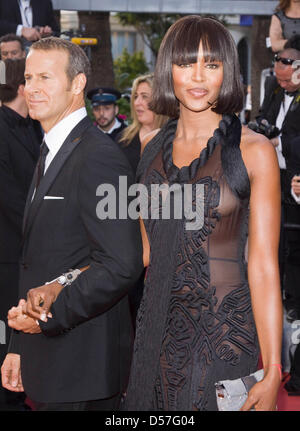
[[141, 101], [197, 85]]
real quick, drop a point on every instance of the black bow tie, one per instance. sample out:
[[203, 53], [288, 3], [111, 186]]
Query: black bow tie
[[291, 93]]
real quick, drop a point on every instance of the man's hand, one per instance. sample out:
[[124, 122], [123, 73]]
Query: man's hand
[[296, 184], [11, 373], [20, 321], [31, 34], [45, 31], [40, 299]]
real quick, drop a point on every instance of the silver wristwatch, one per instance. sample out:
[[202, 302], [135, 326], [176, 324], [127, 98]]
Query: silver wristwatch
[[67, 278]]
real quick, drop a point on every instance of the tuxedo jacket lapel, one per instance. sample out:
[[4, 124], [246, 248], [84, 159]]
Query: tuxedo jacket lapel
[[17, 12], [32, 205], [276, 103], [35, 6]]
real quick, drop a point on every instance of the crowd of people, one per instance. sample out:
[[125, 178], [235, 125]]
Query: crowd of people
[[110, 311]]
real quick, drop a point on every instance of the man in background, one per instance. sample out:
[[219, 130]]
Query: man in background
[[105, 110], [30, 19], [19, 151], [281, 107], [11, 47]]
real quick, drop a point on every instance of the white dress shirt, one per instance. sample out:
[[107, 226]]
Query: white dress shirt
[[116, 125], [58, 134], [297, 198], [284, 107], [26, 15]]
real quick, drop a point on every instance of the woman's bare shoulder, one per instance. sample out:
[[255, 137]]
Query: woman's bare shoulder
[[252, 141], [257, 150], [147, 138]]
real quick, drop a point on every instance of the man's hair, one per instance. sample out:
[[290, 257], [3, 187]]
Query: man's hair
[[293, 43], [11, 37], [14, 71], [180, 46], [77, 59]]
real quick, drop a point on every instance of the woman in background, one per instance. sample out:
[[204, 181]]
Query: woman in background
[[143, 119], [285, 23]]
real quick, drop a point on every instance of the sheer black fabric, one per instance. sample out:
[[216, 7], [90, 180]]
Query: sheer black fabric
[[195, 324]]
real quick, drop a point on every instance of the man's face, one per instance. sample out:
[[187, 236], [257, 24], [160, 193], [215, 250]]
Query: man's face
[[287, 77], [105, 115], [11, 50], [48, 91]]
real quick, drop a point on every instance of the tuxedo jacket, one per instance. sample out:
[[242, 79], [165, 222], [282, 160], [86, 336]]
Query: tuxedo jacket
[[18, 158], [274, 95], [290, 131], [10, 15], [83, 352]]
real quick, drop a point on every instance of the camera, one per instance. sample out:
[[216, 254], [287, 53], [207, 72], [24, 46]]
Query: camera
[[264, 127]]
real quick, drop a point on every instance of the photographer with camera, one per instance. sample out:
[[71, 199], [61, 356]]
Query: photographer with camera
[[279, 121]]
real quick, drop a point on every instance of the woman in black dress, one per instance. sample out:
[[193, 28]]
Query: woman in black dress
[[205, 313]]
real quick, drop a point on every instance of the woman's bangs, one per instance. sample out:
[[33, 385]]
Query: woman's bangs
[[186, 44], [186, 47]]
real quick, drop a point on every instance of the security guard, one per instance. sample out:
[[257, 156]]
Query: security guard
[[106, 110]]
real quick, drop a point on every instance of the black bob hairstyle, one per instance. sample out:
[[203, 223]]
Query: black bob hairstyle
[[180, 46]]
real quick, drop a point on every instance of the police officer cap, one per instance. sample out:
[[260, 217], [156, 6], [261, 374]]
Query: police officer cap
[[103, 96]]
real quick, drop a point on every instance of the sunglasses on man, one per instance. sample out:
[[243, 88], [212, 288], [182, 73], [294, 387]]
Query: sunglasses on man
[[285, 61]]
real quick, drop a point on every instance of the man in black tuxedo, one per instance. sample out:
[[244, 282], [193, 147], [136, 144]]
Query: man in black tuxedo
[[281, 107], [19, 151], [77, 359], [30, 19]]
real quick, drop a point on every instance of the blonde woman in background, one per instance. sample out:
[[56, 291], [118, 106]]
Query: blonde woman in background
[[144, 120]]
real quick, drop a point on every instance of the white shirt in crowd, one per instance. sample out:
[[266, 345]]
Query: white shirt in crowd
[[26, 15], [116, 125], [284, 107]]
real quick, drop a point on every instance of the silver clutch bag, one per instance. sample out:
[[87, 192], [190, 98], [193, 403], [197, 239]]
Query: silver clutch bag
[[232, 394]]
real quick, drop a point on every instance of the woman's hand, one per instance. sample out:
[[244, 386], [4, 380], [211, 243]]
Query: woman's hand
[[263, 395]]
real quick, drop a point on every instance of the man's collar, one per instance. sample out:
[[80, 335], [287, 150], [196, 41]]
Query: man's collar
[[291, 93], [57, 135], [116, 125]]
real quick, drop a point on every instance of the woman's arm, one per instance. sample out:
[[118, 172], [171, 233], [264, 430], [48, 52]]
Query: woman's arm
[[263, 272], [146, 246], [277, 40]]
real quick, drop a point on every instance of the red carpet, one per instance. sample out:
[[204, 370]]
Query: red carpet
[[287, 403]]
